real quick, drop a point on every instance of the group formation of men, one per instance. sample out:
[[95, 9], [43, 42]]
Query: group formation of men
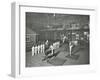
[[54, 46], [41, 48], [37, 49]]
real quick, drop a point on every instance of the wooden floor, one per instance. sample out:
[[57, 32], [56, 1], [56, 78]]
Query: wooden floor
[[80, 55]]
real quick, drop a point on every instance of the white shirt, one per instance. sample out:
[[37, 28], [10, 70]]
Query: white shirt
[[33, 50], [41, 48], [36, 49]]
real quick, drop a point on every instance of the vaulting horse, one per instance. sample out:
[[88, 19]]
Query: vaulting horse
[[50, 53]]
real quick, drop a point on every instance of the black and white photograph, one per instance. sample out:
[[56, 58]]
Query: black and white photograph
[[56, 39], [51, 41]]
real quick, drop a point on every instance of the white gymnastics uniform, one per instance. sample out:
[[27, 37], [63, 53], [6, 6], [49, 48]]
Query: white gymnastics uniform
[[46, 42], [54, 45], [33, 50], [64, 39], [36, 50], [70, 47], [43, 47], [39, 49]]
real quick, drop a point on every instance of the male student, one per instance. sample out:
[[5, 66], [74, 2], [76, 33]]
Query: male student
[[36, 49], [39, 47], [70, 48], [43, 47], [52, 48], [33, 50]]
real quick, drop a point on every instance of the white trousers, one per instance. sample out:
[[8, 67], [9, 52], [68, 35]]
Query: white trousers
[[36, 49], [33, 51], [70, 47]]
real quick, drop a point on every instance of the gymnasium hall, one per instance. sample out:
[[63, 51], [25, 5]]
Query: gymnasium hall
[[54, 39]]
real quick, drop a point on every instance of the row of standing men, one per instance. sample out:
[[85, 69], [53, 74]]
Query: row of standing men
[[40, 48], [37, 49]]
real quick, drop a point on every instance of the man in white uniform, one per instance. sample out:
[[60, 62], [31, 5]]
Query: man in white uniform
[[70, 48], [33, 51], [52, 48], [47, 42], [57, 44], [43, 47], [36, 48], [39, 49], [64, 38]]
